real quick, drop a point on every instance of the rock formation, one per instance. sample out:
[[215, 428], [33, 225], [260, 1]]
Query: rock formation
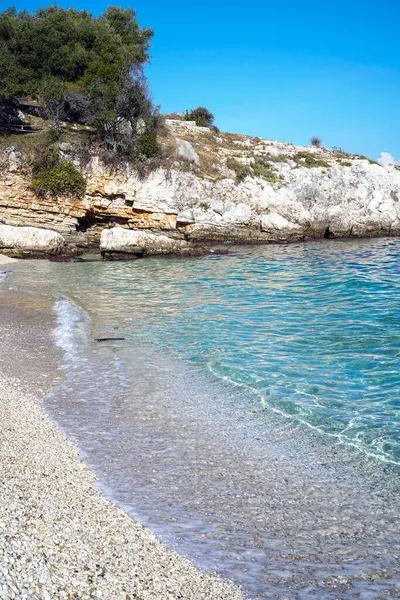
[[117, 240], [279, 193], [30, 239]]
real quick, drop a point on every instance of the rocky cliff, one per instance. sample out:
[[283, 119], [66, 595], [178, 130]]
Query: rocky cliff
[[216, 188]]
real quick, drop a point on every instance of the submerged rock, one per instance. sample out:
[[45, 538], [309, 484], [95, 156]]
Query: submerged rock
[[30, 239]]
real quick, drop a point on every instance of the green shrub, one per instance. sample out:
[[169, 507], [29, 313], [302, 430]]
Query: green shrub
[[56, 176], [202, 116], [205, 206], [147, 145], [340, 153], [345, 163], [242, 171], [278, 158], [262, 168], [309, 160], [316, 141]]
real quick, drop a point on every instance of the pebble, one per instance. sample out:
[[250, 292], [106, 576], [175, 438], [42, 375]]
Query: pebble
[[60, 539]]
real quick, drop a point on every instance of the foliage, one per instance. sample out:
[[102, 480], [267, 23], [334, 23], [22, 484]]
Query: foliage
[[202, 116], [56, 176], [340, 153], [73, 47], [241, 170], [205, 206], [309, 160], [84, 69], [345, 163], [277, 158], [316, 141], [262, 168], [130, 128]]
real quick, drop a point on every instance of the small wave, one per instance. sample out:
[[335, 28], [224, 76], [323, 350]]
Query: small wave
[[266, 403], [72, 331]]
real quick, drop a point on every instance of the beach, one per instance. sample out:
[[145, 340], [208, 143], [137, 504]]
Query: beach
[[59, 537], [113, 452]]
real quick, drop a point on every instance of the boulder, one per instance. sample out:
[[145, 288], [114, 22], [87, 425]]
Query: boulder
[[30, 239], [274, 223], [140, 243], [186, 150]]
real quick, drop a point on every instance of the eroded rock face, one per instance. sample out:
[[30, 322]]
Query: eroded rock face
[[187, 204], [140, 243], [30, 239]]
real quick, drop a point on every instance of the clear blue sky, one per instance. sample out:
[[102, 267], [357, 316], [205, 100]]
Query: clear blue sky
[[280, 70]]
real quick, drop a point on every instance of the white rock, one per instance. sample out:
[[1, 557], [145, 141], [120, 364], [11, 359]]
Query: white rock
[[276, 222], [30, 238], [129, 241], [186, 150]]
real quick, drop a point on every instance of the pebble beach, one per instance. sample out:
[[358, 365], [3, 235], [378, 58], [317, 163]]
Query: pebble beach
[[59, 536]]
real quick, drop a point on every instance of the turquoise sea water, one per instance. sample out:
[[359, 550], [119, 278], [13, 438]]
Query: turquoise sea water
[[251, 415], [313, 330]]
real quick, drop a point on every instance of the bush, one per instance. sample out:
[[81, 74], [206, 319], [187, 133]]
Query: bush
[[340, 153], [259, 168], [316, 141], [370, 160], [56, 176], [202, 116], [262, 168], [309, 160], [241, 171], [130, 130]]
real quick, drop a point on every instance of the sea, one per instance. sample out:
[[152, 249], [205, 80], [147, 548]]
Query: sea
[[245, 407]]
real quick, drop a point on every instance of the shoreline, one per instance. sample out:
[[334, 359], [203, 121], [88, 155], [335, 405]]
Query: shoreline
[[200, 248], [302, 489], [61, 538]]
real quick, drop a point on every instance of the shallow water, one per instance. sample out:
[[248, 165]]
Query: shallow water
[[251, 415]]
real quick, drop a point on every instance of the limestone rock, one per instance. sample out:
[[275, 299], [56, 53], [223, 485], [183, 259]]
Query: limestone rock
[[140, 243], [351, 197], [186, 150], [30, 239], [276, 223]]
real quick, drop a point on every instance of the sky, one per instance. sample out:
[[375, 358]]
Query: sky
[[277, 70]]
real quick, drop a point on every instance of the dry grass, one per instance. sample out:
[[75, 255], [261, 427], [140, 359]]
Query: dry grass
[[29, 144], [209, 164]]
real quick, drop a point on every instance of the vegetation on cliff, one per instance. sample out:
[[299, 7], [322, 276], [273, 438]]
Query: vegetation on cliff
[[56, 176], [84, 70], [201, 115]]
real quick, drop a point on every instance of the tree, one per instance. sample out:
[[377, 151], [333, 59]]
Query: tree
[[316, 141], [202, 116], [83, 69], [71, 46]]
